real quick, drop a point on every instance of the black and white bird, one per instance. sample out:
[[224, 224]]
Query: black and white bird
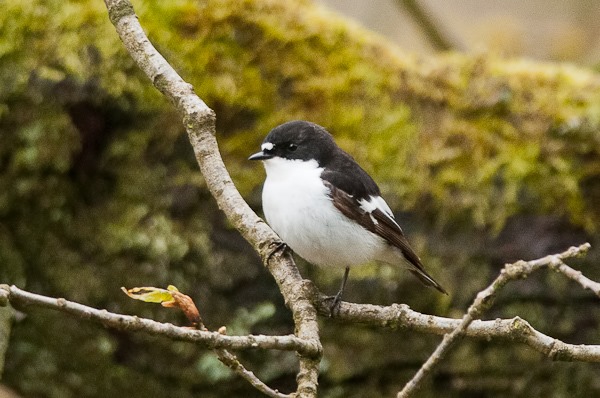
[[325, 207]]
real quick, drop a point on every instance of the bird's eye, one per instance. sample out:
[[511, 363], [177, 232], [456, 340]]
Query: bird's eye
[[292, 147]]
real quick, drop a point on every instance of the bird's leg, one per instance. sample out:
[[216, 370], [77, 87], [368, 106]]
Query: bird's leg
[[335, 305]]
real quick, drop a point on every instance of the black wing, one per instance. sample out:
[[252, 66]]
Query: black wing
[[347, 193]]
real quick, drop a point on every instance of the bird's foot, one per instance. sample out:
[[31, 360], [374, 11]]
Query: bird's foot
[[334, 307], [279, 246]]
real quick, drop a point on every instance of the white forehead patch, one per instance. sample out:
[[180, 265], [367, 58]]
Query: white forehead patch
[[267, 146]]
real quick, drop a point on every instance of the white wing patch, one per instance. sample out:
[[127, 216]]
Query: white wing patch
[[377, 202], [267, 146]]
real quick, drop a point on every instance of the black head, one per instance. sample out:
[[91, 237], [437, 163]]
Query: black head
[[297, 140]]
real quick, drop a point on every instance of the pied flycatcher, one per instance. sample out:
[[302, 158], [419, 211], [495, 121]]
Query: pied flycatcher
[[325, 207]]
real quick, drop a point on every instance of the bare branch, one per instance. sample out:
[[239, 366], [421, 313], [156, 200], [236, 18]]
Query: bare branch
[[199, 122], [20, 298], [395, 316], [400, 316], [576, 276], [233, 363], [483, 301], [215, 340]]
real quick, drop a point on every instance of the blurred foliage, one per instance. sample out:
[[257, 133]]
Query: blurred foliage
[[484, 160]]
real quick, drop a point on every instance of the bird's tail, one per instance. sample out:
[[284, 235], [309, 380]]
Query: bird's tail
[[426, 279]]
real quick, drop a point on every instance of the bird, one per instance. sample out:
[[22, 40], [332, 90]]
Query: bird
[[326, 208]]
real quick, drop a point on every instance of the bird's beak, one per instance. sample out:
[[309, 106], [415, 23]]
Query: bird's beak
[[260, 156]]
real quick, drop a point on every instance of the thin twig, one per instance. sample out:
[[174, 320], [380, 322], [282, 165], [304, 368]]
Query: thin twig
[[234, 364], [576, 276], [483, 301]]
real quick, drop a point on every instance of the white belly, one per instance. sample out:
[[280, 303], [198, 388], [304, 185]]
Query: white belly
[[299, 211]]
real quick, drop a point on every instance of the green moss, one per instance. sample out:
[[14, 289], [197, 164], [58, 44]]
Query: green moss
[[100, 188]]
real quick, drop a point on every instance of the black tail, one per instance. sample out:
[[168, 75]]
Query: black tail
[[426, 279]]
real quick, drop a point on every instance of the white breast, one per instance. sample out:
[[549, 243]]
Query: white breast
[[297, 207]]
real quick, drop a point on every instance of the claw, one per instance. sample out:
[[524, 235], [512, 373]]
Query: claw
[[278, 246]]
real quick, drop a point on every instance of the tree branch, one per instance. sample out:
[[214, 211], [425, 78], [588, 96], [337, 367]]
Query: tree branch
[[199, 122], [234, 364], [394, 316], [400, 316], [577, 276], [483, 301], [214, 340], [21, 298]]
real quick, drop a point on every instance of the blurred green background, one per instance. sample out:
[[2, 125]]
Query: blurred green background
[[484, 159]]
